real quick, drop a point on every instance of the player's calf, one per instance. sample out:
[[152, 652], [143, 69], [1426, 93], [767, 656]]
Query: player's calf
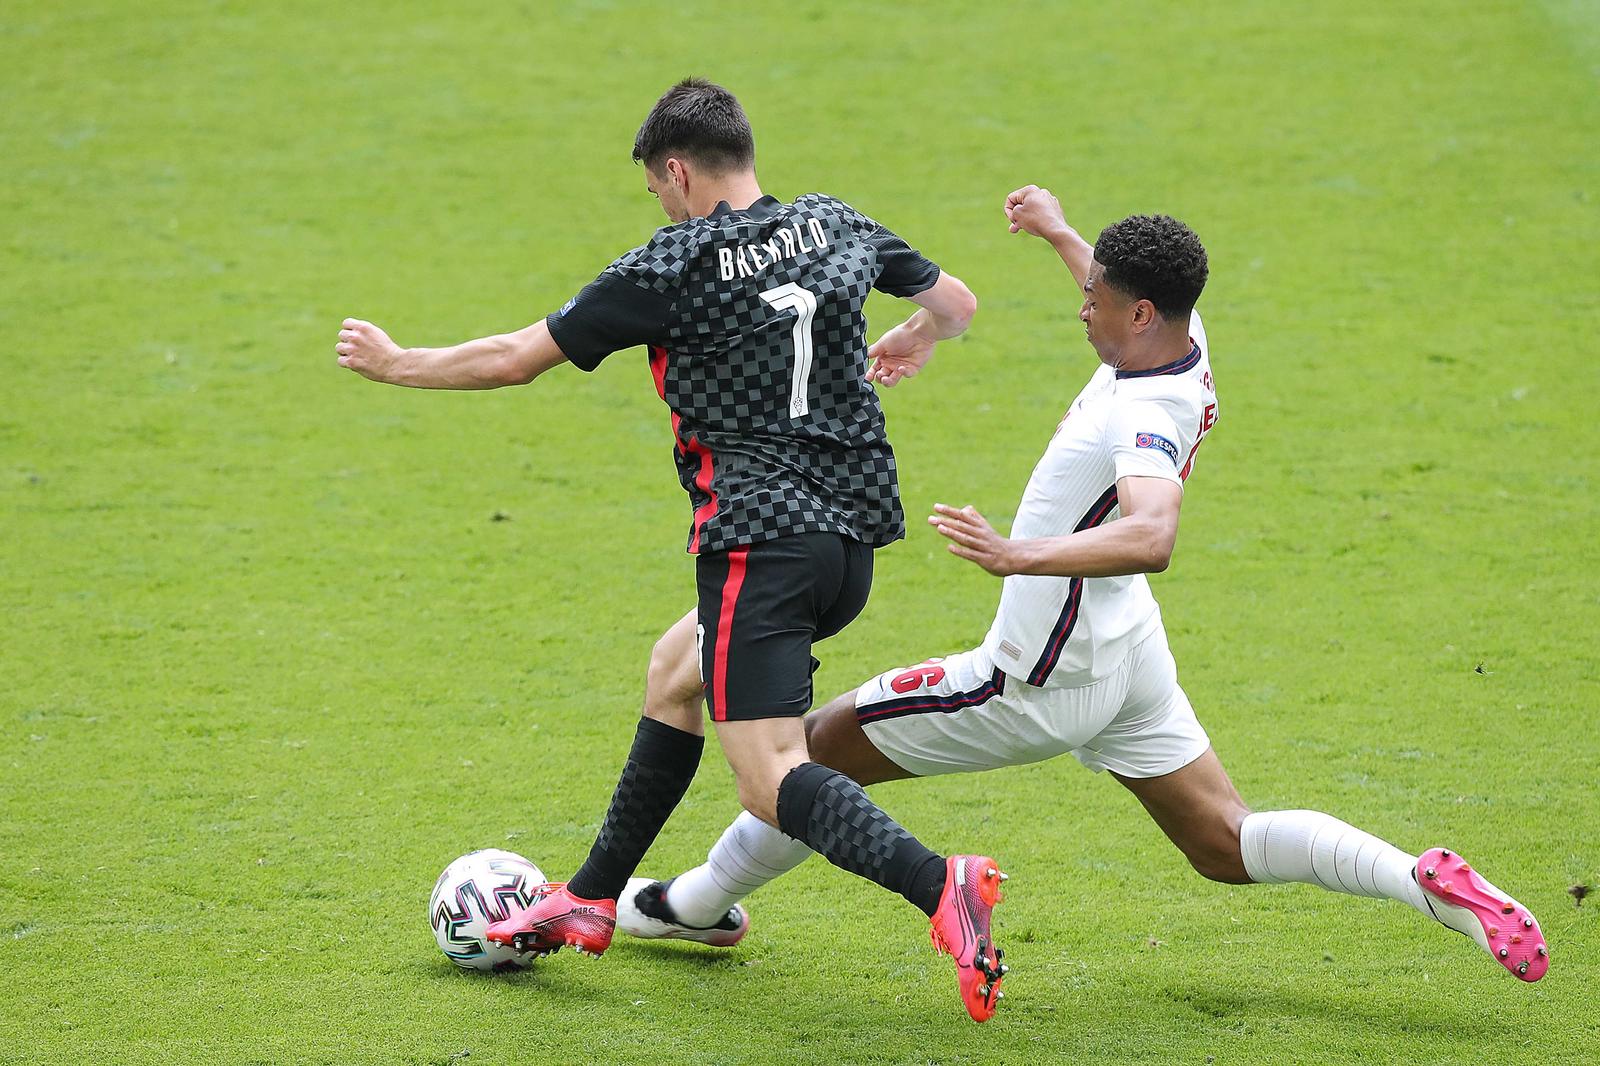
[[1216, 855]]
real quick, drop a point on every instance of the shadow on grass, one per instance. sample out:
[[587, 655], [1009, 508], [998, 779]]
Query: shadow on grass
[[443, 970], [544, 973], [1443, 1016], [683, 954]]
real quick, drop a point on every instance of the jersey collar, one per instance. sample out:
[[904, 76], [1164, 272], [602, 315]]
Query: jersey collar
[[765, 207], [1179, 366]]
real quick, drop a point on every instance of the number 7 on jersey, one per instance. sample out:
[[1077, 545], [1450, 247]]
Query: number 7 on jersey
[[803, 303]]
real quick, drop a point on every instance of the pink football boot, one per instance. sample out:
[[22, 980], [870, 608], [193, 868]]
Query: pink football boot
[[960, 929], [559, 920], [1464, 901]]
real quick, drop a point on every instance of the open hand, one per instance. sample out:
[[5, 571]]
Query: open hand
[[366, 349], [900, 353], [974, 538]]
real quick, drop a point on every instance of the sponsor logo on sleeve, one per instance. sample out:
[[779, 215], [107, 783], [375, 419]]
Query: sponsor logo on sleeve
[[569, 305], [1159, 443]]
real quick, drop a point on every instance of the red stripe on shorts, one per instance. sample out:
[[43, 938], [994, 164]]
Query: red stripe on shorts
[[730, 599], [706, 511]]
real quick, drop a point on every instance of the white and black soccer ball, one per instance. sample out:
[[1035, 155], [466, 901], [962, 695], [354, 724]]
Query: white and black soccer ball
[[478, 888]]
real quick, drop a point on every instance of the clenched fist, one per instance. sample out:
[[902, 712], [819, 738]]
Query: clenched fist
[[366, 349], [1034, 210]]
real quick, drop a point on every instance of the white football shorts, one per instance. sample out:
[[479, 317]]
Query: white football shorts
[[963, 713]]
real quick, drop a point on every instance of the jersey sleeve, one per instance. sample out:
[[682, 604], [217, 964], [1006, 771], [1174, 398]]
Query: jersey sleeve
[[1145, 441], [629, 304], [609, 315], [902, 270]]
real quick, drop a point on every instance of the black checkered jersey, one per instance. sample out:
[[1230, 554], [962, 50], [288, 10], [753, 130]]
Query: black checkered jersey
[[757, 341]]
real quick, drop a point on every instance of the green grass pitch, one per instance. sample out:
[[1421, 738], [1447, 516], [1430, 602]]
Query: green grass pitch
[[269, 660]]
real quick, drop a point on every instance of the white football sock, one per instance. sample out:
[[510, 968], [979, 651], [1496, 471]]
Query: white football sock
[[747, 855], [1318, 849]]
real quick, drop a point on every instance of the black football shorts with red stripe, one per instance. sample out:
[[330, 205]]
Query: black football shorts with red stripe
[[761, 609]]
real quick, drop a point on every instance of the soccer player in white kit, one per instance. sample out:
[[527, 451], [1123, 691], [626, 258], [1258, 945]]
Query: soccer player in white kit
[[1076, 659]]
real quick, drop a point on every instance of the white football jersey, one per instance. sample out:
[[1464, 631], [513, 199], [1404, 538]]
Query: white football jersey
[[1145, 423]]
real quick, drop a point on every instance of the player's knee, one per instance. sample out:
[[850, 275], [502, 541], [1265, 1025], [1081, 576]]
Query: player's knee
[[658, 679], [673, 676], [758, 794]]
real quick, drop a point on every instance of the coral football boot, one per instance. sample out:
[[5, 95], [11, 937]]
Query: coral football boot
[[559, 920], [1463, 900], [961, 930]]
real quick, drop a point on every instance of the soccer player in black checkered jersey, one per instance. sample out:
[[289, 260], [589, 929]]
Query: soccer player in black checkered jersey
[[752, 313]]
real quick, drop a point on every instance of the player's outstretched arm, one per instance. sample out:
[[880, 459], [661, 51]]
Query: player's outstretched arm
[[945, 310], [1140, 542], [1037, 211], [486, 363]]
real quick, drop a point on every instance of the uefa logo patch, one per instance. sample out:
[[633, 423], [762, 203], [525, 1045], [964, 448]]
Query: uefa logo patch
[[1159, 443]]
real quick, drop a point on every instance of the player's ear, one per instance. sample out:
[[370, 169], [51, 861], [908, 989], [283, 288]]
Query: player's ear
[[1144, 315]]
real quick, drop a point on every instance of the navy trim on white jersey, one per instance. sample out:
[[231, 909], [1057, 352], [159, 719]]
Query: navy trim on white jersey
[[1069, 611], [1187, 363]]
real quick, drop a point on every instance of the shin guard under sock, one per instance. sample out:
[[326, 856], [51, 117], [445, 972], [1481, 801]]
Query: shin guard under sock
[[836, 819]]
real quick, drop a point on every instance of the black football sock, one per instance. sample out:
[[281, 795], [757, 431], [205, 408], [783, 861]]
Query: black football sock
[[834, 817], [657, 774]]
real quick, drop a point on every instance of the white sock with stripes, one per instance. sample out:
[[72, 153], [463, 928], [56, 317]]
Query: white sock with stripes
[[747, 855], [1318, 849]]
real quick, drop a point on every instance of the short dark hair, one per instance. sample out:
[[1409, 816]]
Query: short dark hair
[[700, 121], [1155, 258]]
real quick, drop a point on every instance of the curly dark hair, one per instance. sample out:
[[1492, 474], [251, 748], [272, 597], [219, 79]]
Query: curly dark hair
[[1155, 258], [700, 121]]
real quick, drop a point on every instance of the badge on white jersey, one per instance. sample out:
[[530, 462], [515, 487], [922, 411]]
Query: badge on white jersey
[[1159, 443]]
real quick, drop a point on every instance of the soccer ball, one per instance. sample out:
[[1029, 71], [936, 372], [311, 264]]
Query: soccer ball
[[479, 888]]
